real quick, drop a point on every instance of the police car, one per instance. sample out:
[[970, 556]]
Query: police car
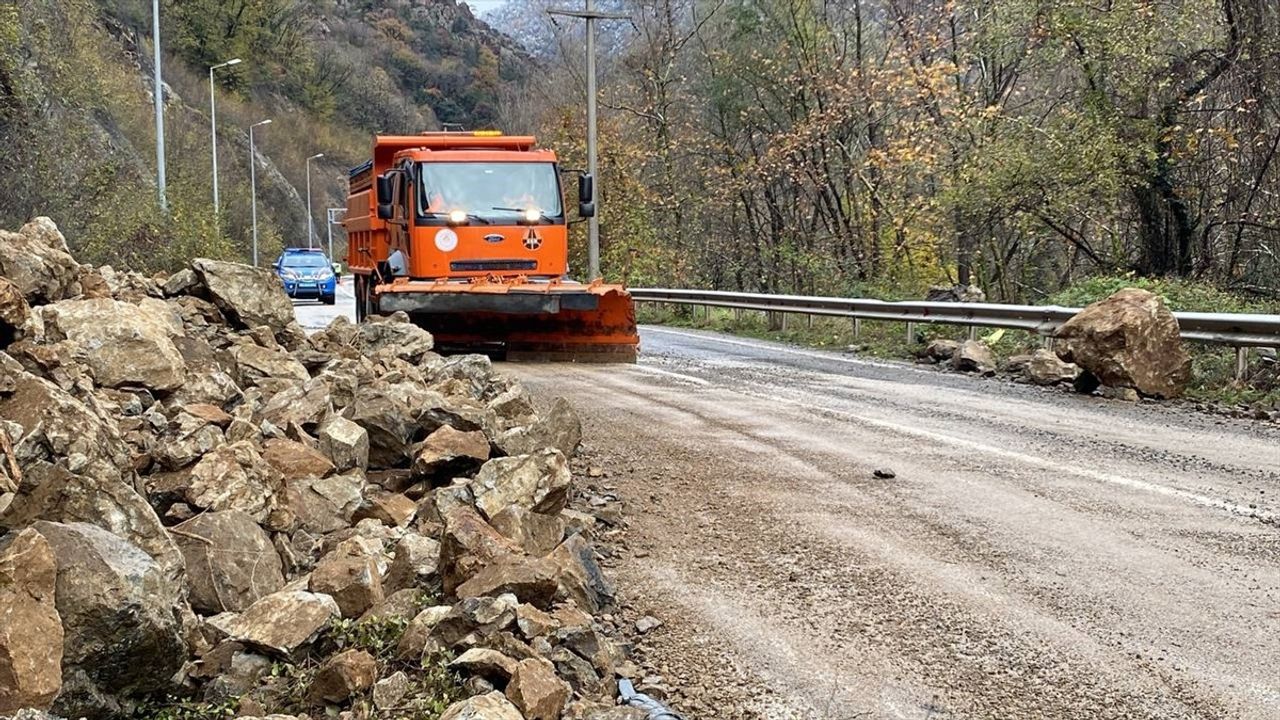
[[307, 273]]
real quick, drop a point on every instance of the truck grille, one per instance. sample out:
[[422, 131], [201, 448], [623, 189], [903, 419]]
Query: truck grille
[[483, 265]]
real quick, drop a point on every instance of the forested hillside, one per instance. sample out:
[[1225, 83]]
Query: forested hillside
[[877, 146], [77, 128]]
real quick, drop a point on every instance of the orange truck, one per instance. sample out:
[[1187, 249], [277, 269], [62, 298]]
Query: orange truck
[[467, 232]]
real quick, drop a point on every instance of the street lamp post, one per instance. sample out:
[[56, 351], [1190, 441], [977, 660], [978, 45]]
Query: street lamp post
[[590, 15], [159, 101], [253, 186], [311, 233], [333, 212], [213, 125]]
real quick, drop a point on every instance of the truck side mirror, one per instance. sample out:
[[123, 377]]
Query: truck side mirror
[[385, 191], [586, 196]]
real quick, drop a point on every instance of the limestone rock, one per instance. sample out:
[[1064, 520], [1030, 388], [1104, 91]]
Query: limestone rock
[[123, 344], [15, 313], [230, 561], [448, 452], [538, 533], [294, 461], [391, 509], [345, 443], [284, 622], [232, 477], [249, 296], [394, 336], [489, 664], [389, 691], [940, 350], [120, 617], [343, 675], [538, 482], [1045, 368], [416, 563], [531, 580], [255, 363], [30, 628], [1128, 340], [37, 261], [491, 706], [974, 356], [537, 691], [351, 577], [323, 505], [469, 544], [581, 578], [558, 428]]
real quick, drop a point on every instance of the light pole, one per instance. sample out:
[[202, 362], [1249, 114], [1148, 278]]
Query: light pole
[[213, 125], [590, 14], [333, 212], [253, 186], [159, 100], [311, 232]]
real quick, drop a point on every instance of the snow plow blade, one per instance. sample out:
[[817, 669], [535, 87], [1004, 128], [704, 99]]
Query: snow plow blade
[[522, 321]]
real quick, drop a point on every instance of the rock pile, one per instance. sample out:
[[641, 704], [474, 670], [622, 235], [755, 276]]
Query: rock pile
[[201, 502]]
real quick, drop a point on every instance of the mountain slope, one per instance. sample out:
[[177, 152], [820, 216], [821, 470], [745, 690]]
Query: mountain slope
[[76, 122]]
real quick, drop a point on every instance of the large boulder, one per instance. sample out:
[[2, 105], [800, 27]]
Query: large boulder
[[531, 580], [394, 336], [30, 629], [249, 296], [231, 562], [121, 619], [1128, 340], [580, 575], [389, 422], [538, 482], [294, 460], [51, 492], [325, 505], [36, 259], [123, 344], [255, 363], [416, 563]]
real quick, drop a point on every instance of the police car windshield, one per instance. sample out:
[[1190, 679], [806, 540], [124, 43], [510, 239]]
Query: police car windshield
[[489, 190], [305, 260]]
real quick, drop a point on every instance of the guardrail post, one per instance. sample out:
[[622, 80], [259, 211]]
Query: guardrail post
[[973, 332], [808, 321], [784, 321], [1046, 342], [737, 315], [1242, 362], [857, 328], [911, 333]]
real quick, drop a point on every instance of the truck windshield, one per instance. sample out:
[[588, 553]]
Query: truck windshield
[[490, 190]]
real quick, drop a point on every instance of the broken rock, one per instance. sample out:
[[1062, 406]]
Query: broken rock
[[351, 577], [538, 482], [345, 443], [249, 296], [30, 629], [231, 562], [416, 563], [537, 691], [491, 706], [343, 675], [120, 617], [974, 356], [284, 622], [448, 452], [123, 344]]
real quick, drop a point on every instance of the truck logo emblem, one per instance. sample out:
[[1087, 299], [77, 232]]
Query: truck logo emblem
[[531, 240], [493, 238]]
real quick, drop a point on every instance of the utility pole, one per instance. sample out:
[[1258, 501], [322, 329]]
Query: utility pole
[[333, 212], [590, 15], [311, 224], [159, 98], [213, 125], [253, 186]]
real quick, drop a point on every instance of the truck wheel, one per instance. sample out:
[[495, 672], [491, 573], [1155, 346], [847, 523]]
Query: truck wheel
[[359, 289]]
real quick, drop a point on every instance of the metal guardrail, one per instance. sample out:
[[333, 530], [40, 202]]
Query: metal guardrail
[[1239, 330]]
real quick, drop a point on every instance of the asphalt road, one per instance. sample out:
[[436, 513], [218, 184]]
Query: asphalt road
[[1037, 555], [315, 315]]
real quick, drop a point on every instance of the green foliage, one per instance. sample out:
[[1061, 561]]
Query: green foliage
[[1179, 295]]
